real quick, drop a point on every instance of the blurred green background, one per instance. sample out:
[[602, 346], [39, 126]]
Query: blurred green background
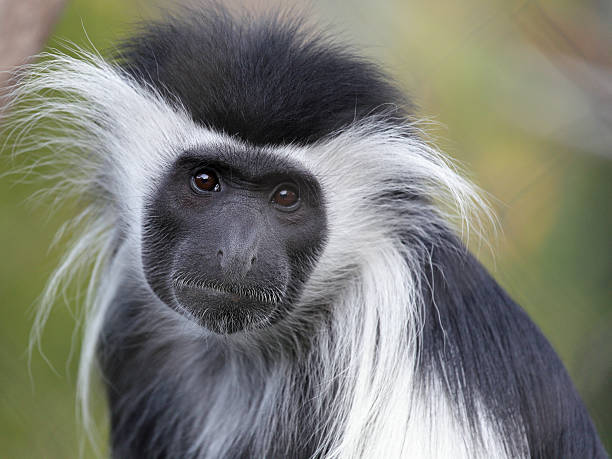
[[520, 92]]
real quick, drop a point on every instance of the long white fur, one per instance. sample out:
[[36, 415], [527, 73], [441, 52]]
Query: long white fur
[[113, 138]]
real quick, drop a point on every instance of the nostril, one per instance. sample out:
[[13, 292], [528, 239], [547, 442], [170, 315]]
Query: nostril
[[220, 253], [253, 260]]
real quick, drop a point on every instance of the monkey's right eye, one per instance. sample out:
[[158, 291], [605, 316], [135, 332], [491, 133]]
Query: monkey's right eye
[[205, 180]]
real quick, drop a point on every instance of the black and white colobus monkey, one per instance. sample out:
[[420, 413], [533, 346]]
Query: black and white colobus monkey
[[274, 269]]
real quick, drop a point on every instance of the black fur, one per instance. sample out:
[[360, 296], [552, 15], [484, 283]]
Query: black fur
[[490, 350], [266, 81]]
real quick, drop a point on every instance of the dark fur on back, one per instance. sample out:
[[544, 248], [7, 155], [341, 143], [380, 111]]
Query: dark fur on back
[[268, 81], [488, 349]]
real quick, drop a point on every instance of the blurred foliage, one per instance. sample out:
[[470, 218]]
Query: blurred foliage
[[518, 91]]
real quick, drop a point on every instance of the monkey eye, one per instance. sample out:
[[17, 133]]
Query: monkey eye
[[205, 180], [286, 196]]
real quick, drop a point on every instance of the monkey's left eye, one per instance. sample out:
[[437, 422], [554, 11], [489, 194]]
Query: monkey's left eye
[[205, 180], [286, 196]]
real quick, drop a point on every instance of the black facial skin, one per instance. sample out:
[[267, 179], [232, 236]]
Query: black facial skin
[[231, 236]]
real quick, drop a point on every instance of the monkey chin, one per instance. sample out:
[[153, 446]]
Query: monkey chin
[[221, 312]]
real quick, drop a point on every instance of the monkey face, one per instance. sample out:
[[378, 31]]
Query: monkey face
[[230, 237]]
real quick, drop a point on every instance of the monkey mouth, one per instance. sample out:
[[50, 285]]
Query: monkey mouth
[[225, 308], [235, 293]]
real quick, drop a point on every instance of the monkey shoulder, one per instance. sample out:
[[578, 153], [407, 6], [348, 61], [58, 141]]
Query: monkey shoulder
[[490, 352]]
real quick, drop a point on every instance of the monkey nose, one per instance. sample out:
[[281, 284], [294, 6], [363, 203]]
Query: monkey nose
[[236, 261]]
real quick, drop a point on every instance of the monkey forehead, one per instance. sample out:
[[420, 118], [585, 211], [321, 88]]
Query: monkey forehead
[[246, 162], [352, 162]]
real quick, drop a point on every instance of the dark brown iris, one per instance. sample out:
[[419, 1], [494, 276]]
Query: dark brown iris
[[285, 196], [205, 180]]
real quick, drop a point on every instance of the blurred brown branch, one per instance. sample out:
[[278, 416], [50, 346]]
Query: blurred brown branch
[[24, 28]]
